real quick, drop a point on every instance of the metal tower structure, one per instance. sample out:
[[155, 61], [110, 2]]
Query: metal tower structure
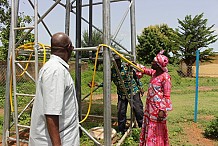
[[12, 128]]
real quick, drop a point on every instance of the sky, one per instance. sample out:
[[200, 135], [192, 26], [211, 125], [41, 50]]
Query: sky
[[147, 12]]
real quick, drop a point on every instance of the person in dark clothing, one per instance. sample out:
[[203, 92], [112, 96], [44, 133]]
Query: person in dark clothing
[[124, 93]]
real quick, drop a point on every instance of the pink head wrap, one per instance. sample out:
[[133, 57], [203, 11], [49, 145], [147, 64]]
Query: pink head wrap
[[161, 61]]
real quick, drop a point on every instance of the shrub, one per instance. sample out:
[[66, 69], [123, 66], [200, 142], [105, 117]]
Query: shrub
[[211, 130], [133, 139]]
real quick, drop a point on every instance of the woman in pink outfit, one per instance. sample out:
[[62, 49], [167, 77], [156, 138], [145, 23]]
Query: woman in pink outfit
[[154, 128]]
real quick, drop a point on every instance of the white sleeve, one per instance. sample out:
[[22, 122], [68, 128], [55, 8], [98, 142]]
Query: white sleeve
[[53, 91]]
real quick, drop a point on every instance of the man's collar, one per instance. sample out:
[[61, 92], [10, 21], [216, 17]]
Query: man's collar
[[60, 60]]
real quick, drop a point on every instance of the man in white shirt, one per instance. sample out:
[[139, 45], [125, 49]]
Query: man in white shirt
[[54, 119]]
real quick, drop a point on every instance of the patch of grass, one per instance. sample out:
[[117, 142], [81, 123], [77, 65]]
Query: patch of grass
[[183, 98], [183, 113], [1, 123]]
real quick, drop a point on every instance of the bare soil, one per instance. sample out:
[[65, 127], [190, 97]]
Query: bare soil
[[195, 136]]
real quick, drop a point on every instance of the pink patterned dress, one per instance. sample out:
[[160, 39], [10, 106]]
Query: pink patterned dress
[[155, 133]]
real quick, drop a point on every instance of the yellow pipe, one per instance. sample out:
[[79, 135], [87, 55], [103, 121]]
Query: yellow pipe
[[121, 56], [26, 65], [30, 47], [94, 73], [12, 109], [92, 86]]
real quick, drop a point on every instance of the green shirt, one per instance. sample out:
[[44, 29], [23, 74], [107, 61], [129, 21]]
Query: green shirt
[[126, 74]]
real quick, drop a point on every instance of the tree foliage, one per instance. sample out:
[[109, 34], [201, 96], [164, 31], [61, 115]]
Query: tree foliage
[[194, 34], [5, 23], [4, 19], [96, 39], [156, 38], [4, 11]]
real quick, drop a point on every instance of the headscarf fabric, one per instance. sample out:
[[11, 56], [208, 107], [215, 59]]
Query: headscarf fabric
[[162, 61]]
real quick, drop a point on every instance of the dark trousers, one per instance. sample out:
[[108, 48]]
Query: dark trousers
[[122, 109]]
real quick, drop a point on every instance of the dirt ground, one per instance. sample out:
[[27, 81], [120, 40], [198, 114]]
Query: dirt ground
[[193, 132], [195, 136]]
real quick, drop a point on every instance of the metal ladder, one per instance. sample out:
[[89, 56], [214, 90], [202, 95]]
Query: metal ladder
[[8, 121], [12, 109]]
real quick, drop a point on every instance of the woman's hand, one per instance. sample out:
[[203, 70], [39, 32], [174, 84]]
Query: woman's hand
[[142, 92], [161, 115]]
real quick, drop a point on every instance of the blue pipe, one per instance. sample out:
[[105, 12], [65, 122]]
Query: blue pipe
[[196, 90]]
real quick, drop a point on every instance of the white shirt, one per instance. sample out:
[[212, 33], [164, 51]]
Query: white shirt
[[55, 95]]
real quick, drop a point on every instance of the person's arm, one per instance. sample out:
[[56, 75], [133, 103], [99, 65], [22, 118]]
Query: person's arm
[[146, 71], [166, 92], [114, 77], [53, 129], [166, 102], [138, 82]]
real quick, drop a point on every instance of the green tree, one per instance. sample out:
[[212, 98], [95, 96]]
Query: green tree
[[5, 23], [195, 35], [4, 16], [97, 38], [156, 38]]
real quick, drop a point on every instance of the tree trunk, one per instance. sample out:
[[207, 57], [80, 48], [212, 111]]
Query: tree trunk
[[189, 70]]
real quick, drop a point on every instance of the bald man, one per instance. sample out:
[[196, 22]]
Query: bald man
[[54, 119]]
